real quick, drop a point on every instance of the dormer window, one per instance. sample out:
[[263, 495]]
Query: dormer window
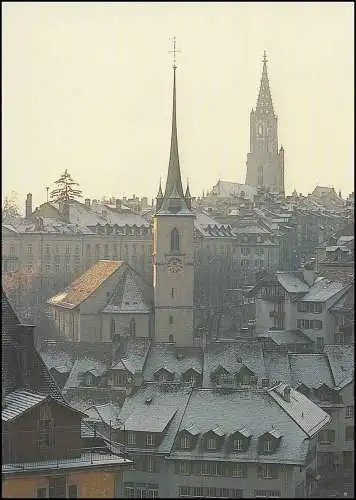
[[89, 380], [185, 442], [238, 444], [267, 445], [211, 444]]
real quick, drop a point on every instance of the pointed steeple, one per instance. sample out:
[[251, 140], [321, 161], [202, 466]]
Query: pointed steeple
[[173, 199], [174, 178], [159, 196], [188, 197], [264, 101]]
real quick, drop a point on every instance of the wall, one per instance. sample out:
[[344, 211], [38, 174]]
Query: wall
[[122, 324]]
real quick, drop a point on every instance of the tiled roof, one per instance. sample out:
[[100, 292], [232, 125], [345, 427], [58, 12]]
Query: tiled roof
[[19, 402], [45, 225], [302, 410], [82, 366], [281, 337], [310, 369], [38, 379], [86, 284], [342, 361], [128, 296], [177, 360], [108, 413], [346, 302], [323, 290], [276, 367], [232, 356], [291, 283]]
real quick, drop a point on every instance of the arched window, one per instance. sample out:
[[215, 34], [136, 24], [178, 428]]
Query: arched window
[[132, 329], [174, 240], [171, 338]]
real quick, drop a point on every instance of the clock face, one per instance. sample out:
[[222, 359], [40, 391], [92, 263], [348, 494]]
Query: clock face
[[260, 130], [174, 265]]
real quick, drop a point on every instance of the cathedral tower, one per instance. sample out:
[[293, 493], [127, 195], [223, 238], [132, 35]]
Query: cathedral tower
[[265, 163], [173, 252]]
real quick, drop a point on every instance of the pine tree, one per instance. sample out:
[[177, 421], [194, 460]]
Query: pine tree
[[10, 207], [66, 190]]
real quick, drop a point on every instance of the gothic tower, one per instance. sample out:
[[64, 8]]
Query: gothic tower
[[265, 164], [173, 253]]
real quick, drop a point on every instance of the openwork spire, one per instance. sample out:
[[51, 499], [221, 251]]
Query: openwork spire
[[264, 100]]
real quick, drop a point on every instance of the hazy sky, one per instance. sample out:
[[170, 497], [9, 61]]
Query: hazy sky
[[87, 87]]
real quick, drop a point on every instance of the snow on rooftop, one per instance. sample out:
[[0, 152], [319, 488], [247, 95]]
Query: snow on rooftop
[[323, 290], [310, 369], [18, 402], [291, 283]]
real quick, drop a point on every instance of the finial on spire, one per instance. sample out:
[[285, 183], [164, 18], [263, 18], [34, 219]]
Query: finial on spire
[[264, 57], [174, 52]]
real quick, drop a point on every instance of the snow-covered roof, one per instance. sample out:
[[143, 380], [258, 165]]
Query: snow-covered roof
[[90, 460], [109, 413], [250, 229], [281, 337], [112, 216], [232, 356], [86, 284], [177, 360], [80, 368], [18, 402], [291, 283], [302, 410], [45, 225], [324, 289], [310, 369], [225, 189], [342, 361]]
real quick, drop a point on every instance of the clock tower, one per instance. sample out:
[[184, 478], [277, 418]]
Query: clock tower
[[173, 253], [265, 164]]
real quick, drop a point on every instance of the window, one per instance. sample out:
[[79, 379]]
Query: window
[[42, 492], [326, 436], [174, 241], [131, 437], [150, 464], [317, 324], [150, 439], [266, 471], [267, 494], [319, 342], [350, 411], [245, 251], [239, 470], [120, 379], [204, 470], [185, 442], [72, 491], [172, 293], [267, 445], [184, 468], [171, 338], [29, 250], [129, 492], [112, 326], [349, 433], [57, 268], [48, 268], [238, 444], [171, 320], [211, 444], [132, 328], [29, 268]]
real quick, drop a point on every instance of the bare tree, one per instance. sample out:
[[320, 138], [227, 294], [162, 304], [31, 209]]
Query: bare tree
[[66, 190]]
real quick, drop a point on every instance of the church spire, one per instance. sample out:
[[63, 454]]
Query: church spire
[[173, 199], [264, 100], [174, 178]]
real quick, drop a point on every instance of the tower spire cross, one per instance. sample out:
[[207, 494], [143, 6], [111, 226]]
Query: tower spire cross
[[174, 52]]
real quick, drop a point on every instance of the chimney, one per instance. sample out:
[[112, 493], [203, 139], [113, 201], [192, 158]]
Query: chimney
[[25, 334], [28, 205], [309, 274], [286, 393], [118, 204], [87, 202]]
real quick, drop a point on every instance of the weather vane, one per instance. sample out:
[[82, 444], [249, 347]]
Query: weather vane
[[174, 52]]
